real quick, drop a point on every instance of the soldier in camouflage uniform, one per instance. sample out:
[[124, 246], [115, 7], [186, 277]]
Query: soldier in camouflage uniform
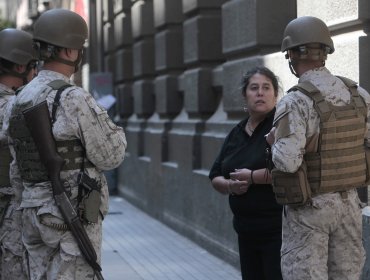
[[17, 67], [86, 138], [322, 239]]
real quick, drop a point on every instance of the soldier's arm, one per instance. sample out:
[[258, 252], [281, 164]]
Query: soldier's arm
[[290, 139], [7, 111], [105, 142]]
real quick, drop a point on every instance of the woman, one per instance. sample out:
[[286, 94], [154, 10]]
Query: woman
[[240, 170]]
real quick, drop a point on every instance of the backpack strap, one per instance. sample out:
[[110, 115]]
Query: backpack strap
[[18, 90], [60, 86]]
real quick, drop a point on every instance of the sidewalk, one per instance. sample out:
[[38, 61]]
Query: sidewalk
[[138, 247]]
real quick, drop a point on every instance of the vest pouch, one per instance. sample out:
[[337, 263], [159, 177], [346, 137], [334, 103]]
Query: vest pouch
[[4, 204], [90, 204], [4, 166], [291, 189]]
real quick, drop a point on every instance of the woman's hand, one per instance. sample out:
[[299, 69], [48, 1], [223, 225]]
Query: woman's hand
[[237, 187], [243, 174], [230, 186], [240, 180]]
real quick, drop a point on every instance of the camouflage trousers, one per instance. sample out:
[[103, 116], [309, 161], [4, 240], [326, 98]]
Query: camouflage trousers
[[324, 240], [12, 262], [53, 253]]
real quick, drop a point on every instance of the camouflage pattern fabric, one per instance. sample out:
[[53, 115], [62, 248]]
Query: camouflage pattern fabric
[[78, 116], [12, 264], [6, 96], [322, 240], [53, 253]]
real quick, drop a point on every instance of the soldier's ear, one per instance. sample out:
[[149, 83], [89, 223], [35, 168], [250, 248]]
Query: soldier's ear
[[69, 54]]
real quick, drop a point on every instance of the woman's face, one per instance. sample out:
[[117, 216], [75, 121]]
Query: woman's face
[[260, 95]]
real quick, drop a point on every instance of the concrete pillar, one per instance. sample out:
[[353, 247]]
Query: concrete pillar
[[123, 57], [178, 65], [190, 213], [108, 36]]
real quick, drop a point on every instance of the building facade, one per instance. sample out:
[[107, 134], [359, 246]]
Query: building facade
[[176, 67]]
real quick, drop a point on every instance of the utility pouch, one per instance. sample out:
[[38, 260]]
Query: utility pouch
[[291, 189], [4, 204], [91, 198]]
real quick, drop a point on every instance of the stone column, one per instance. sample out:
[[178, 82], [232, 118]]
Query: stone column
[[190, 211], [168, 63], [123, 60], [142, 47], [108, 36]]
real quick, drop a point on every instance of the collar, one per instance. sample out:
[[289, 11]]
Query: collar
[[313, 73], [49, 75], [270, 115]]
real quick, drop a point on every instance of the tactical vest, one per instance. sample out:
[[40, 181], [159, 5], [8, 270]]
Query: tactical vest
[[28, 159], [4, 165], [5, 159], [340, 162]]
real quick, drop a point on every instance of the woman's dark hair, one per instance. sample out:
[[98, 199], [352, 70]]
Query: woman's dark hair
[[263, 71]]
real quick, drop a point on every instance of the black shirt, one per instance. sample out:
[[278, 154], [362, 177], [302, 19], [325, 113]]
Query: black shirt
[[255, 212]]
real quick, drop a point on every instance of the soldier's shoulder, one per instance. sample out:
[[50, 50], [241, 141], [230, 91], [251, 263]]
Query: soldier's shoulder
[[364, 93], [76, 92], [295, 97]]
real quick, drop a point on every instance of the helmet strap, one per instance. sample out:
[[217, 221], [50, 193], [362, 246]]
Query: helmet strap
[[50, 53], [13, 73], [75, 63], [310, 52], [288, 56], [292, 69]]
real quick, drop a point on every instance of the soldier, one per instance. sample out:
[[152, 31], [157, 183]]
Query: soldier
[[17, 67], [319, 154], [86, 139]]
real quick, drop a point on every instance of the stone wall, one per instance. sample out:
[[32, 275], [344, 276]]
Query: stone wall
[[177, 65]]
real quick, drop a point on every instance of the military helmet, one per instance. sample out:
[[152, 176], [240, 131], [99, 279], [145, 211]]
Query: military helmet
[[16, 46], [61, 28], [306, 30]]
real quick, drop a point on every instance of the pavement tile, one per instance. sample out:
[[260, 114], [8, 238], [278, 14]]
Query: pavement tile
[[138, 247]]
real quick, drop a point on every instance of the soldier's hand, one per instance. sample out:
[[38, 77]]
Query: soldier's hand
[[270, 137]]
